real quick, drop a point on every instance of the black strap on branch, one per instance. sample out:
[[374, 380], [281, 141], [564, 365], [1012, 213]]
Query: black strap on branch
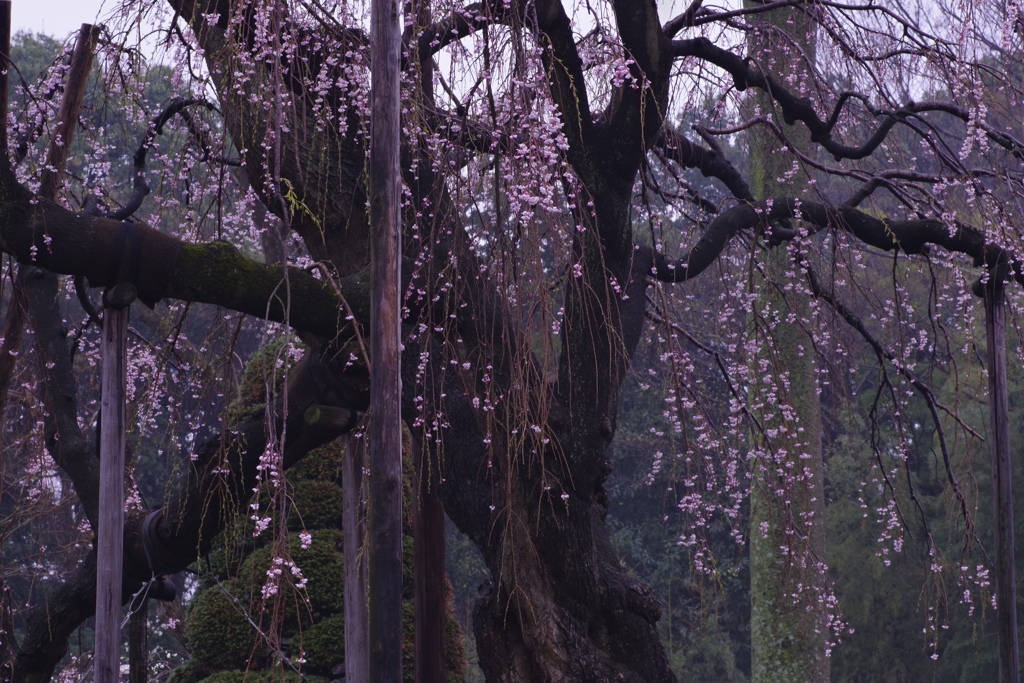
[[161, 559], [997, 276], [123, 292]]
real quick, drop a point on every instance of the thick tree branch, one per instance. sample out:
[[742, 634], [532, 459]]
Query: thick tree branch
[[140, 189], [565, 77], [456, 26], [318, 169], [48, 628], [709, 162], [684, 20], [909, 236], [41, 233], [640, 106]]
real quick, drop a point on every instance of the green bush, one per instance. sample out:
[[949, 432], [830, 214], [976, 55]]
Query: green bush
[[323, 567], [261, 677], [317, 506], [221, 637], [324, 644]]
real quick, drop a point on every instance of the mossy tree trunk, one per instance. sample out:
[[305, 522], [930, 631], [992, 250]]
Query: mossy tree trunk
[[789, 633]]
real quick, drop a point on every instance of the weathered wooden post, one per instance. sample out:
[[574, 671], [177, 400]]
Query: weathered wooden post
[[385, 430], [1002, 489], [110, 534], [70, 105], [138, 643], [110, 537], [353, 521]]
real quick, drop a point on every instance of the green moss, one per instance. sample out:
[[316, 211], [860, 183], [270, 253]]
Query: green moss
[[230, 547], [408, 567], [408, 640], [454, 652], [309, 622]]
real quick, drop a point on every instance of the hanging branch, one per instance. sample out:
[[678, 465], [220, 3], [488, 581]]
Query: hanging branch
[[883, 355]]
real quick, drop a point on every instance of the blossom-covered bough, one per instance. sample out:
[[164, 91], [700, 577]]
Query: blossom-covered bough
[[547, 210]]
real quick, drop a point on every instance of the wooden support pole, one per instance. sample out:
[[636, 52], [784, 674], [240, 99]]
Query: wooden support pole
[[138, 643], [110, 536], [71, 104], [1002, 490], [429, 573], [353, 520], [384, 429]]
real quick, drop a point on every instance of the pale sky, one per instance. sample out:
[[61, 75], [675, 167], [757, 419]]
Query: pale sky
[[57, 18]]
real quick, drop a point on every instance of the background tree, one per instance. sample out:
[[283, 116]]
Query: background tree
[[789, 634]]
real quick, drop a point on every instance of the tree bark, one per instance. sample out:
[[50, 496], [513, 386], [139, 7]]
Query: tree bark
[[138, 643], [110, 535], [429, 573], [384, 431], [357, 628], [1002, 485]]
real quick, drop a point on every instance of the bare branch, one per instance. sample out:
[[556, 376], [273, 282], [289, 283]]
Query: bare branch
[[801, 109]]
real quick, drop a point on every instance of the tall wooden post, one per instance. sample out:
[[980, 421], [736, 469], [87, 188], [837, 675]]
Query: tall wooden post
[[138, 643], [384, 429], [1002, 491], [70, 105], [110, 536], [353, 520]]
